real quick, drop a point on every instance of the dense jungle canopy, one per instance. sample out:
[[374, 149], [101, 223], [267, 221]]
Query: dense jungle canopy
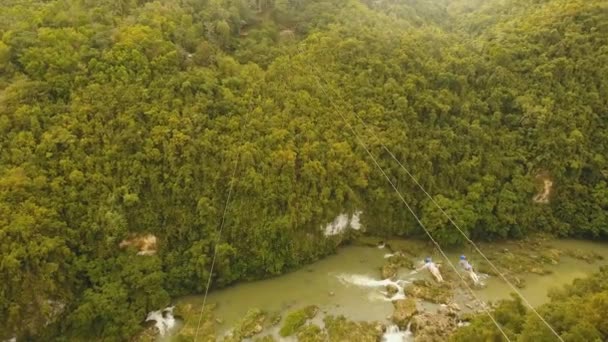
[[127, 117]]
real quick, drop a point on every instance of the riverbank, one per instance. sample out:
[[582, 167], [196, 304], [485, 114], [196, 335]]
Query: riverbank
[[371, 289]]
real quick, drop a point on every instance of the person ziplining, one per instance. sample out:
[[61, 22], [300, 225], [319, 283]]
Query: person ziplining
[[432, 267], [429, 264], [466, 265]]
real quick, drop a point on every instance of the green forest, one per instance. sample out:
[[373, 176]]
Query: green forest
[[577, 311], [128, 117]]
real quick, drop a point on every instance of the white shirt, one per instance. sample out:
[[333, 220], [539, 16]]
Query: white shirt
[[465, 264]]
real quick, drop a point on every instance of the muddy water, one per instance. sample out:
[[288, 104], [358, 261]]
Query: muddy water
[[349, 283], [538, 286], [322, 283]]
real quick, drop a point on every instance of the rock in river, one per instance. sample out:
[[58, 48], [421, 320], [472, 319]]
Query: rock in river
[[405, 309]]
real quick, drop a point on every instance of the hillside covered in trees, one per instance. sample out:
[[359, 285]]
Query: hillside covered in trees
[[126, 118]]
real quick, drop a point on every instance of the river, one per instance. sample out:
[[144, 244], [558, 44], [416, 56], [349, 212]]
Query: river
[[538, 286], [348, 283]]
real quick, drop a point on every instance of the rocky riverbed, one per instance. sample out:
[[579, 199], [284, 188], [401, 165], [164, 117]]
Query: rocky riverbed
[[369, 292]]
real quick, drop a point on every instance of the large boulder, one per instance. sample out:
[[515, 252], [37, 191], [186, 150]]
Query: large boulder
[[433, 327], [405, 309], [389, 271], [391, 290], [430, 291], [393, 263]]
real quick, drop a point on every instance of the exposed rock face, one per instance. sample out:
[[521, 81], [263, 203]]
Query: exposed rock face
[[145, 244], [342, 222], [405, 309], [544, 195], [287, 35]]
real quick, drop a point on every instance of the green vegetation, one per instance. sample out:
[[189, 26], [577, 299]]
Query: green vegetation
[[577, 312], [190, 314], [250, 325], [340, 329], [311, 333], [295, 320], [266, 338], [126, 118]]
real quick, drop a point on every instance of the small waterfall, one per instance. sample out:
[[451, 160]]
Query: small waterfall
[[164, 319], [366, 281], [355, 221], [342, 222], [393, 334], [408, 331]]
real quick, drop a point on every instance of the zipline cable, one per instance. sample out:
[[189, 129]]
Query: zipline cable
[[364, 146], [232, 181], [477, 248], [456, 225]]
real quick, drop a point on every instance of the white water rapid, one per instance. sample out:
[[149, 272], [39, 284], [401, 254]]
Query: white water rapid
[[366, 281], [164, 319]]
